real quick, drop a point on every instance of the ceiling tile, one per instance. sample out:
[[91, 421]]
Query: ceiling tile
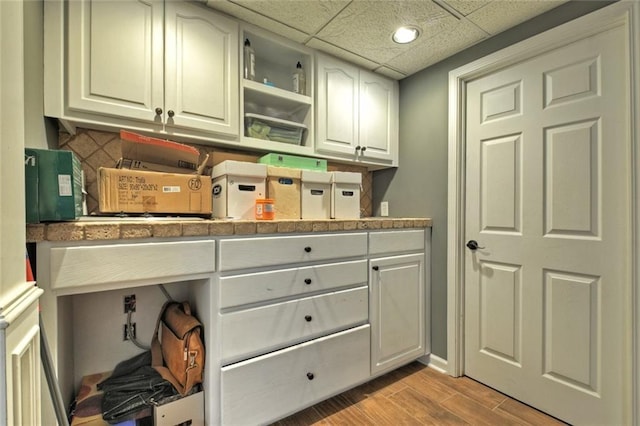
[[322, 46], [465, 7], [257, 20], [305, 15], [366, 26], [501, 15], [435, 49]]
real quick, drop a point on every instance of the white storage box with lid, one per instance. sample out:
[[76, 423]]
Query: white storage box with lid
[[345, 195], [283, 186], [236, 186], [273, 129], [315, 194]]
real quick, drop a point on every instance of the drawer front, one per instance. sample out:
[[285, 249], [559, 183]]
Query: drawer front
[[270, 251], [258, 330], [396, 241], [74, 269], [263, 286], [264, 389]]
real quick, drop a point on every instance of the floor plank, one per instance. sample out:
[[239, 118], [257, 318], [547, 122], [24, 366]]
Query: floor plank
[[418, 395]]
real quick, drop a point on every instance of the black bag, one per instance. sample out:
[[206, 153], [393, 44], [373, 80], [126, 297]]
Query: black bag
[[133, 386]]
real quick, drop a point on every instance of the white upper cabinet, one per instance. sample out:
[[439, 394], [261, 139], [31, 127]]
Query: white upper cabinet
[[115, 56], [357, 113], [201, 69], [144, 64]]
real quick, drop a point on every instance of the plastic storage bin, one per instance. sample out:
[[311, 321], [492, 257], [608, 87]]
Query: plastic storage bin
[[315, 194], [345, 195], [236, 186], [273, 129]]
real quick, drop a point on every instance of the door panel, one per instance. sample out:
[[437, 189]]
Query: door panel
[[547, 311], [115, 58]]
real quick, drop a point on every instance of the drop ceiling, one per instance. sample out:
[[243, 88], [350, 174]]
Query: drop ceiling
[[359, 31]]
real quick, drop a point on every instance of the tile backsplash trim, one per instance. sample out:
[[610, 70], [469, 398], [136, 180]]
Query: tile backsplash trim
[[97, 149]]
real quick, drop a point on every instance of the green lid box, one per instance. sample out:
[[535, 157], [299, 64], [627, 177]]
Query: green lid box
[[294, 162], [53, 185]]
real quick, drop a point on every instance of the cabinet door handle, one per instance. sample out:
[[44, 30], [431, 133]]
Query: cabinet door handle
[[307, 281], [375, 268], [307, 249], [170, 113], [358, 148], [310, 376], [158, 111], [308, 318], [364, 148]]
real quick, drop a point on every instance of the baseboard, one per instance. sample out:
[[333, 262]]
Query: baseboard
[[435, 362]]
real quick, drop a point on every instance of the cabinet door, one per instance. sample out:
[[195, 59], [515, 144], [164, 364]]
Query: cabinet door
[[378, 116], [338, 104], [201, 69], [115, 56], [397, 311]]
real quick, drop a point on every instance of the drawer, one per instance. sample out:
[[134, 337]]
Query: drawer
[[396, 241], [254, 331], [264, 389], [264, 286], [270, 251], [75, 269]]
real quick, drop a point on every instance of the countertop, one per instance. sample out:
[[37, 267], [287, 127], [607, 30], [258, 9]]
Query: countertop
[[128, 228]]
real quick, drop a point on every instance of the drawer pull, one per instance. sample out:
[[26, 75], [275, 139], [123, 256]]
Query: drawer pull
[[307, 249], [307, 281], [310, 376], [308, 318], [375, 268]]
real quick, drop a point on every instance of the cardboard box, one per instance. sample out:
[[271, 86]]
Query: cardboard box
[[315, 194], [283, 186], [133, 191], [236, 186], [159, 151], [295, 162], [53, 185], [345, 195]]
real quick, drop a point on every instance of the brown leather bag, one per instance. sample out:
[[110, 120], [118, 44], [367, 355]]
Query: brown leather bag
[[179, 353]]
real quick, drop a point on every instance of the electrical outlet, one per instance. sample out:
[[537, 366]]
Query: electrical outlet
[[384, 208], [130, 303], [133, 331]]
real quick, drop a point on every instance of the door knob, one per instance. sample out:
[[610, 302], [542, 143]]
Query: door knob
[[473, 245], [158, 111], [170, 113]]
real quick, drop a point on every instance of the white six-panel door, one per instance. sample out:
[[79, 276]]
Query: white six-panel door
[[547, 317]]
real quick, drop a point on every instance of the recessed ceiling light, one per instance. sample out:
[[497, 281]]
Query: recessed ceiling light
[[405, 35]]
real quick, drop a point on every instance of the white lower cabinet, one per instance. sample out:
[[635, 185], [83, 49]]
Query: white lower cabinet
[[397, 311], [305, 317], [397, 297], [269, 387]]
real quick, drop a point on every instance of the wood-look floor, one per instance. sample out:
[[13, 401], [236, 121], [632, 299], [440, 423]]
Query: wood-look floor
[[418, 395]]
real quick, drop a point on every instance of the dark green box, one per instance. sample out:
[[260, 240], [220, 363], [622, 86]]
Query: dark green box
[[53, 185]]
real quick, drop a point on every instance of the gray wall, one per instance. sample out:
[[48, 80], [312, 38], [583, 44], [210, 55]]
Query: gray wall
[[418, 188]]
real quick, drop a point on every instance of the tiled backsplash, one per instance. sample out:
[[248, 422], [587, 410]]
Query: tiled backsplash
[[102, 149]]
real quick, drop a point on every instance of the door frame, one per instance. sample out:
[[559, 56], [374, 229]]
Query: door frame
[[625, 13]]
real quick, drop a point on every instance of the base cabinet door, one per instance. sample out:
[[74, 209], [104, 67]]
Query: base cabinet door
[[397, 311], [272, 386]]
